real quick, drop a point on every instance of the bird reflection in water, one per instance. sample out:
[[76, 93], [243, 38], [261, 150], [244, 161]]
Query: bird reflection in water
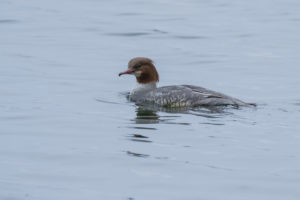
[[146, 116]]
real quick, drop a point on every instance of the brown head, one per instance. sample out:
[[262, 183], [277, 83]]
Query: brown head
[[143, 69]]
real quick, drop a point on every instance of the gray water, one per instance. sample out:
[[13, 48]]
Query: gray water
[[67, 130]]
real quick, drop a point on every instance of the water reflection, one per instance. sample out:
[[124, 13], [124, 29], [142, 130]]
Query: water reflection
[[155, 109], [146, 116], [150, 114]]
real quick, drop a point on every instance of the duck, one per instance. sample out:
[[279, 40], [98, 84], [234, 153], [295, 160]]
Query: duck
[[173, 96]]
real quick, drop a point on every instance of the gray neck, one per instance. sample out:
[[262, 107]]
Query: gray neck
[[141, 89]]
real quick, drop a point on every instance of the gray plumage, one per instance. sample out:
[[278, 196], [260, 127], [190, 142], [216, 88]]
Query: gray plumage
[[184, 96]]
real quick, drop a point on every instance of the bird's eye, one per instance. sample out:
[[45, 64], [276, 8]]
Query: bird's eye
[[137, 66]]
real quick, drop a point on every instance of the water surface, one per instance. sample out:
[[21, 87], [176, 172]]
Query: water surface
[[68, 131]]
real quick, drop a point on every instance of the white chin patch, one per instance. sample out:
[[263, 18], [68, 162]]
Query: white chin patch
[[137, 73]]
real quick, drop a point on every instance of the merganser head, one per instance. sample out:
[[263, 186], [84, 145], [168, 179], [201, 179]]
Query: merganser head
[[143, 69]]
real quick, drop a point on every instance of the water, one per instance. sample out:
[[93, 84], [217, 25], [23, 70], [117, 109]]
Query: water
[[68, 131]]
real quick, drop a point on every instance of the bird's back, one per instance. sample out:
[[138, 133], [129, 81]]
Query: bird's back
[[187, 96]]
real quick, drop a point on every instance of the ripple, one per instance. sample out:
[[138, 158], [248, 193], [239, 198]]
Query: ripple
[[297, 103], [139, 138], [162, 157], [179, 123], [283, 110], [189, 37], [108, 102], [295, 19], [129, 34], [144, 128], [19, 117], [219, 168], [204, 62], [159, 31], [129, 14], [139, 155], [171, 19], [211, 123], [210, 112], [92, 29], [8, 21]]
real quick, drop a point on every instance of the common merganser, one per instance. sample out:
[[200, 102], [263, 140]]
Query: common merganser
[[171, 96]]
